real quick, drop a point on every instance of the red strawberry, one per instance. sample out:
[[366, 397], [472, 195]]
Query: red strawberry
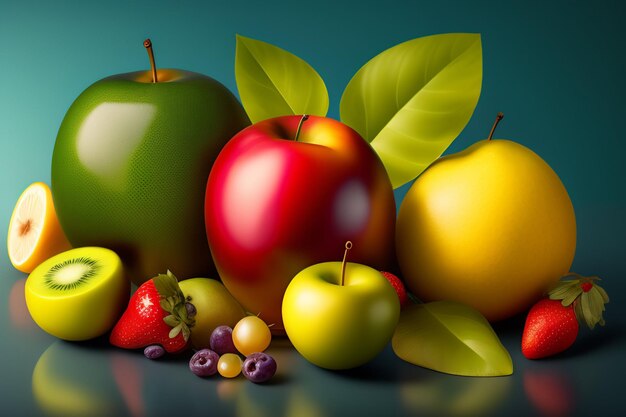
[[552, 323], [156, 314], [398, 286], [550, 328]]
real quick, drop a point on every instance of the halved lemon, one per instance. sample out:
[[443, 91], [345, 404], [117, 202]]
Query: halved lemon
[[34, 231]]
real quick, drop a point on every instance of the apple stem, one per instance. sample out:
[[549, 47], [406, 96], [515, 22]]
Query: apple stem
[[493, 128], [148, 45], [302, 120], [343, 263]]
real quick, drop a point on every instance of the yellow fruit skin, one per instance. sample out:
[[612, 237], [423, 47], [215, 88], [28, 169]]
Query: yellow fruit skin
[[51, 241], [250, 335], [85, 315], [340, 327], [215, 306], [491, 226], [229, 365]]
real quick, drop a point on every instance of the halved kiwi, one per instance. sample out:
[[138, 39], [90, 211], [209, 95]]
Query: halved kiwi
[[72, 273], [78, 294]]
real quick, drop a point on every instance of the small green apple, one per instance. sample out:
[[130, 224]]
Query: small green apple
[[214, 305], [130, 165], [340, 316]]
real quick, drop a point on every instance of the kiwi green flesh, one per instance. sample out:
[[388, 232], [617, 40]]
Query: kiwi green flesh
[[71, 274]]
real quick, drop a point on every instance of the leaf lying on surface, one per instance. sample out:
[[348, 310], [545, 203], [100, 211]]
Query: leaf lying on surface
[[451, 338]]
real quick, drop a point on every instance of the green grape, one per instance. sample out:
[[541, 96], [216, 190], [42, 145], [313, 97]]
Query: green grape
[[229, 365], [251, 334]]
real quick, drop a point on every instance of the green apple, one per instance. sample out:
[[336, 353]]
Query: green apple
[[492, 227], [214, 305], [130, 166], [340, 317]]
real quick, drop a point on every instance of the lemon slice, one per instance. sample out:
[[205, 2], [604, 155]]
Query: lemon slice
[[34, 231]]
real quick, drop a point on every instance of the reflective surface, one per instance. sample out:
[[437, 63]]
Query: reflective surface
[[554, 68], [45, 376]]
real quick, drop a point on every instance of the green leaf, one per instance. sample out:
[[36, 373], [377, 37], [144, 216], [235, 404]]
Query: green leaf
[[181, 311], [186, 332], [171, 320], [166, 304], [585, 302], [605, 296], [578, 310], [412, 100], [571, 295], [273, 82], [166, 285], [593, 306], [451, 338], [175, 331], [560, 291]]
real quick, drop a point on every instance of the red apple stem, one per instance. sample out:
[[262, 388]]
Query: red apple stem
[[343, 263], [302, 120], [493, 128], [148, 45]]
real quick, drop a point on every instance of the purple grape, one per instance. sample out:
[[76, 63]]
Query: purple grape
[[222, 340], [259, 367], [154, 351], [204, 362]]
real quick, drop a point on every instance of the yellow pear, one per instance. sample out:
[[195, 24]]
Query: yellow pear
[[214, 305], [492, 227]]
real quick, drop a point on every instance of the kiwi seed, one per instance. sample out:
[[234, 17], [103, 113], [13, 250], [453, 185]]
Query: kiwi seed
[[71, 274]]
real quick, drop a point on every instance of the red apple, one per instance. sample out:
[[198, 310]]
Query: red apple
[[287, 193]]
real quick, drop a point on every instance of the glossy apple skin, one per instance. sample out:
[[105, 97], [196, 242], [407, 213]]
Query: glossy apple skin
[[275, 206], [130, 165], [340, 327]]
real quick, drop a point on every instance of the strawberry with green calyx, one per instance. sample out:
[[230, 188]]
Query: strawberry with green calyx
[[552, 323], [585, 294], [157, 313]]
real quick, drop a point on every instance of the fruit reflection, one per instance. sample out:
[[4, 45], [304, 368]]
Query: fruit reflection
[[18, 312], [455, 396], [228, 389], [301, 389], [75, 380], [129, 376], [550, 392]]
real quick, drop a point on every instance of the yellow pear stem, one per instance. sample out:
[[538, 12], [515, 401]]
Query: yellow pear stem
[[493, 128], [148, 45], [302, 120], [343, 263]]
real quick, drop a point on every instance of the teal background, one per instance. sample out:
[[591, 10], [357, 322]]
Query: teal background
[[556, 69]]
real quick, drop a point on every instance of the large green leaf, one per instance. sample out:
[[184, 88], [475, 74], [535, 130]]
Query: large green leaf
[[412, 100], [273, 82], [452, 338]]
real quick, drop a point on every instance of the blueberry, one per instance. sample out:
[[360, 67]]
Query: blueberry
[[154, 351], [259, 367], [204, 362], [191, 310], [222, 340]]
